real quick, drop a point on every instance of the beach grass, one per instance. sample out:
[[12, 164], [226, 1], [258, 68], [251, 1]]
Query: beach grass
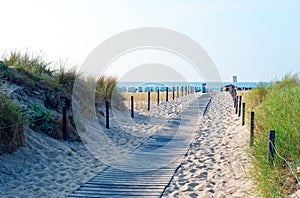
[[32, 72], [12, 122], [35, 64], [276, 107]]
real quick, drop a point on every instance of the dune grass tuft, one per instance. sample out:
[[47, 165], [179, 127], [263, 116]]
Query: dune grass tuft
[[12, 122], [30, 62], [66, 77], [276, 107], [106, 86]]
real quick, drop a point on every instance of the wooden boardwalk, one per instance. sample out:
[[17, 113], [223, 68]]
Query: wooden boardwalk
[[147, 171]]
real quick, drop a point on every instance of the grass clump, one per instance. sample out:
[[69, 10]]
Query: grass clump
[[65, 76], [33, 70], [31, 63], [276, 107], [12, 122], [106, 87]]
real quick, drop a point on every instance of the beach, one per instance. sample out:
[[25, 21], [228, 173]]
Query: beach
[[217, 164], [46, 167]]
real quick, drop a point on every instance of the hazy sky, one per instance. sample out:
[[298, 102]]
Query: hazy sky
[[256, 40]]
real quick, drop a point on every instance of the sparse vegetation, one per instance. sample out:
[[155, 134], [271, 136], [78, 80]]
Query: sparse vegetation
[[36, 80], [34, 64], [276, 107]]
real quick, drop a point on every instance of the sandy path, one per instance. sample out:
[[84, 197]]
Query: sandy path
[[217, 164]]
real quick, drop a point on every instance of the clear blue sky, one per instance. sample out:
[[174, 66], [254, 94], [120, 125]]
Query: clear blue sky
[[256, 40]]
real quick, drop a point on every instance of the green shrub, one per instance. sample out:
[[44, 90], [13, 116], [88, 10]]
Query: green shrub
[[279, 110], [12, 122], [5, 72], [40, 119], [3, 67]]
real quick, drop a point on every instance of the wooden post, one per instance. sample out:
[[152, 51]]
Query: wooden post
[[148, 100], [177, 92], [236, 104], [271, 146], [158, 96], [234, 99], [173, 93], [243, 114], [167, 94], [107, 114], [132, 107], [251, 127], [240, 106], [234, 92], [65, 137], [182, 91]]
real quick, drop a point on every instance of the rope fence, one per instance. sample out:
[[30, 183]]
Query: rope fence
[[288, 164], [64, 121], [15, 124], [271, 149], [185, 90]]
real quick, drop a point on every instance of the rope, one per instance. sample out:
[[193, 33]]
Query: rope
[[290, 167], [15, 124]]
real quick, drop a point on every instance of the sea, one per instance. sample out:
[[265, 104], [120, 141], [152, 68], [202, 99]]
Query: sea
[[209, 86]]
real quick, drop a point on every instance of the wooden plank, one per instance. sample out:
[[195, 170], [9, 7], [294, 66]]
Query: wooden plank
[[142, 186], [128, 182], [147, 190]]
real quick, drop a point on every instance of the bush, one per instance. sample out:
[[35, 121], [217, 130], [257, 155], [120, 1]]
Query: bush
[[12, 122], [40, 119], [279, 110], [3, 67]]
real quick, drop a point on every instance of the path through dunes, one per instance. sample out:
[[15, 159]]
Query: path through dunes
[[148, 170]]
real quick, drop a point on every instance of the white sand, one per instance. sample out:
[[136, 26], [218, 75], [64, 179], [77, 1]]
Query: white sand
[[46, 167], [217, 164]]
